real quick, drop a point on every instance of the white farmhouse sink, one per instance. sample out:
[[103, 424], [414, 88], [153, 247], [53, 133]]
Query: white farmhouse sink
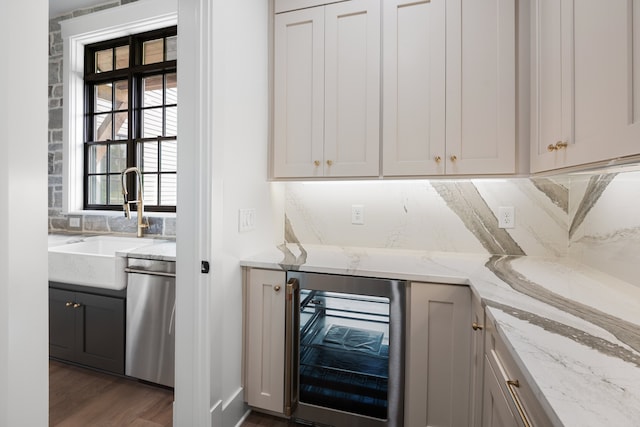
[[95, 261]]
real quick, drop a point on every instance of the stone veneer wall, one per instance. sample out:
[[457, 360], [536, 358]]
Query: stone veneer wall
[[161, 226]]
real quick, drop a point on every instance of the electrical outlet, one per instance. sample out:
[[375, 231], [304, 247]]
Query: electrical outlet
[[506, 217], [357, 214], [246, 220], [74, 222]]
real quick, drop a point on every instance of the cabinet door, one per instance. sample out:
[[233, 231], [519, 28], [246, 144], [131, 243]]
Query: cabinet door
[[497, 410], [62, 324], [585, 78], [264, 346], [477, 361], [481, 112], [101, 323], [298, 94], [352, 88], [551, 83], [438, 356], [413, 87]]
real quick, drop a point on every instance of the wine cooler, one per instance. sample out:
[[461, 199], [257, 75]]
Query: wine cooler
[[345, 338]]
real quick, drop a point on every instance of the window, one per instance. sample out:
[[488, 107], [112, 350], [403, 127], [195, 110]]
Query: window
[[131, 119]]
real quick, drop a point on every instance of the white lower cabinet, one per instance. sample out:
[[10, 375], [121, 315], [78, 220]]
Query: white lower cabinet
[[438, 354], [264, 316], [508, 398]]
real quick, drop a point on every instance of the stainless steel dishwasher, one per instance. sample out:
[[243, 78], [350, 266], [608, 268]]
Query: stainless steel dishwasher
[[151, 309]]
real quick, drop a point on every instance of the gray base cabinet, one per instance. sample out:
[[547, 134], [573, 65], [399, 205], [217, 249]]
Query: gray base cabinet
[[438, 353], [87, 328]]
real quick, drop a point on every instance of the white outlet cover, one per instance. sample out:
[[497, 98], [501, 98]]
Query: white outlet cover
[[506, 217], [357, 214]]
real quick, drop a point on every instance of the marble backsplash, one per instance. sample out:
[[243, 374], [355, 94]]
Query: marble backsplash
[[435, 215], [593, 218], [605, 228], [107, 224]]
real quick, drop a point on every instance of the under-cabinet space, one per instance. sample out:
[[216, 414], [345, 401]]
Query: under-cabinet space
[[87, 328]]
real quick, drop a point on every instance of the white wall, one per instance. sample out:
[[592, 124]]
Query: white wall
[[240, 91], [223, 79], [23, 215]]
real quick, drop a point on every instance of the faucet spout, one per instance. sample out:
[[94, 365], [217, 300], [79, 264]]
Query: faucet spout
[[139, 202]]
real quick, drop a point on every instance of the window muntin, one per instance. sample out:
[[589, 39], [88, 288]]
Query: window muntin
[[131, 120]]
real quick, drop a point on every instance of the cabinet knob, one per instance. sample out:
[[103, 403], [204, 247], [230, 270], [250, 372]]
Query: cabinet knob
[[551, 148], [76, 305], [329, 162], [276, 288], [476, 326], [316, 163], [68, 304], [453, 157], [437, 159]]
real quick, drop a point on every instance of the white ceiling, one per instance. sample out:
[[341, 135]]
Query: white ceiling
[[60, 7]]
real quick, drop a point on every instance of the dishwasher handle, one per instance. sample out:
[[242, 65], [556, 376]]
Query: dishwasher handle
[[149, 272]]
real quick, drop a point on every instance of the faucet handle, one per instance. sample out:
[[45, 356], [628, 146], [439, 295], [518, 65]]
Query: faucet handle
[[127, 212]]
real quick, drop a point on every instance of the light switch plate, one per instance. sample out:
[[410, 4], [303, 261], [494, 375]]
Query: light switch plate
[[246, 220], [506, 217]]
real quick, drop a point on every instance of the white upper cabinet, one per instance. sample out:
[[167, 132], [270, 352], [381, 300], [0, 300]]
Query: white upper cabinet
[[585, 82], [449, 87], [414, 76], [327, 91], [481, 91]]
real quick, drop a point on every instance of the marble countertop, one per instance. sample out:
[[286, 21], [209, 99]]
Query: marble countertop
[[574, 331]]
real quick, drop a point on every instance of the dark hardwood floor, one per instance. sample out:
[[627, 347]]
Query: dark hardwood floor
[[81, 397]]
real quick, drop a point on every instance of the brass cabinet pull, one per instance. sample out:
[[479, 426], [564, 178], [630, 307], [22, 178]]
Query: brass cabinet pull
[[76, 305], [316, 163], [329, 162], [511, 385], [437, 159], [557, 146], [453, 157], [476, 326], [276, 288], [68, 304]]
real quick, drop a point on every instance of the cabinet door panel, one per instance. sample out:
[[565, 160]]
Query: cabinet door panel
[[481, 132], [552, 104], [414, 87], [438, 356], [62, 324], [352, 91], [299, 93], [265, 339], [477, 361], [102, 332], [497, 410]]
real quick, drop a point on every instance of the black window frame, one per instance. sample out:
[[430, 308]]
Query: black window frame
[[134, 75]]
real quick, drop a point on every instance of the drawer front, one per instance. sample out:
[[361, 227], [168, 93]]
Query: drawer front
[[524, 404]]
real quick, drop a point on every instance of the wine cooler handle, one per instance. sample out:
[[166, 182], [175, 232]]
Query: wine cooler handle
[[291, 342]]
